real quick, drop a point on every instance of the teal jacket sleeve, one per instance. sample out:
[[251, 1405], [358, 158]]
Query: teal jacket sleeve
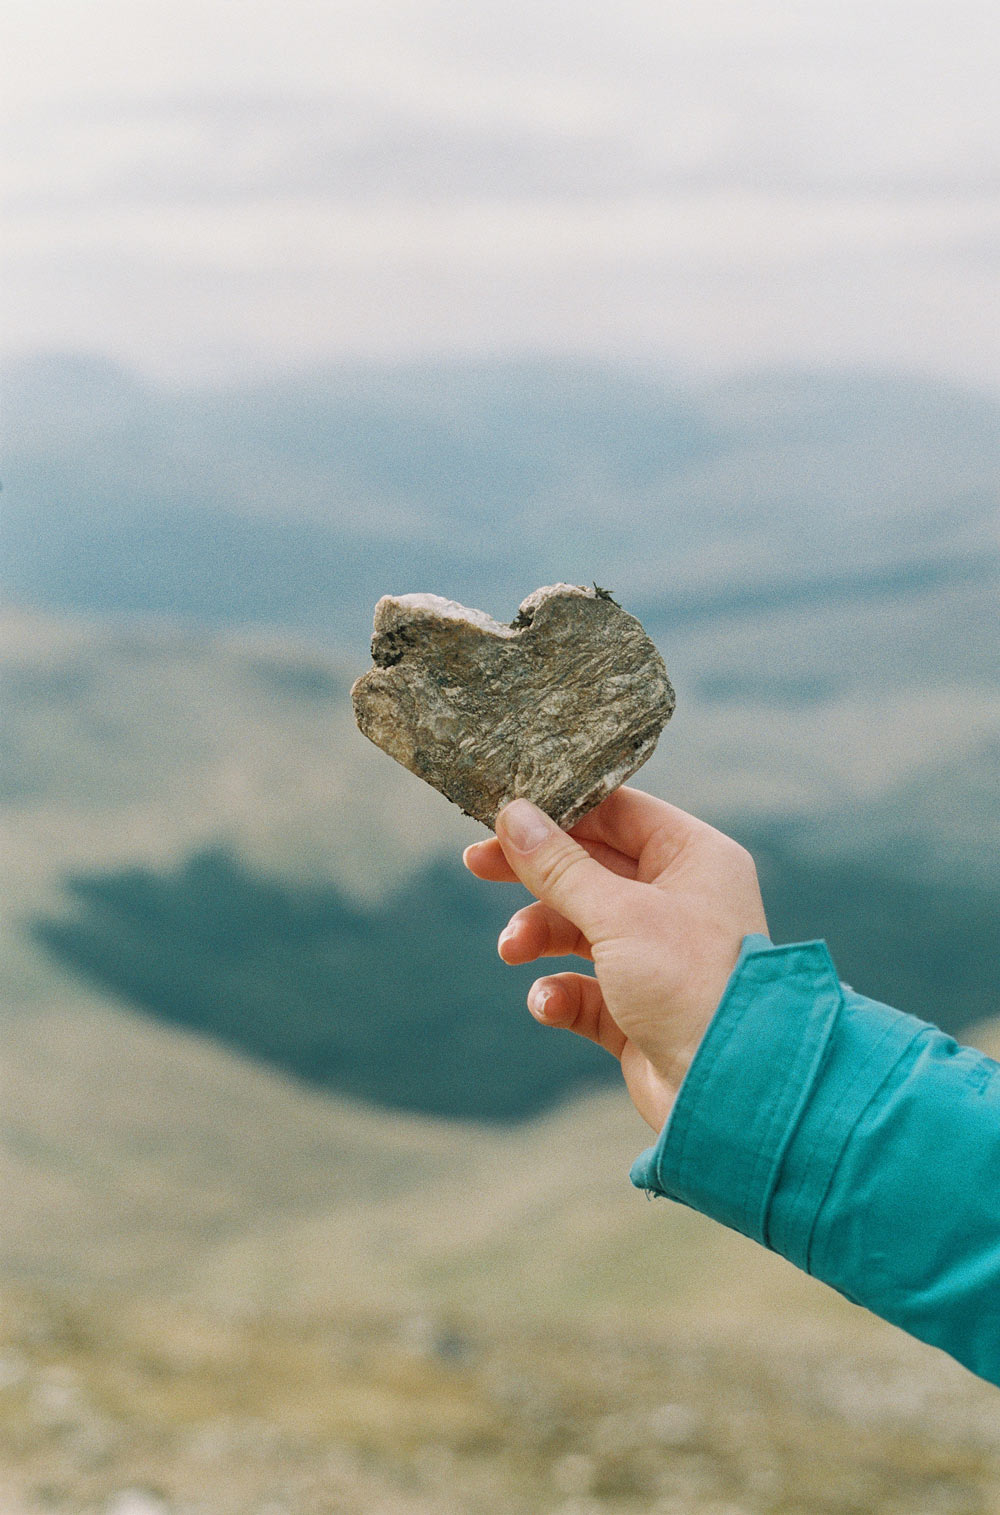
[[860, 1143]]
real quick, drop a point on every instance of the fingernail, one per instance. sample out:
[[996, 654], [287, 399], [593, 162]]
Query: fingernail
[[538, 1002], [505, 936], [524, 825]]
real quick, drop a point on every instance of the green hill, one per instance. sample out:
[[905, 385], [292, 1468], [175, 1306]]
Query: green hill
[[405, 1003]]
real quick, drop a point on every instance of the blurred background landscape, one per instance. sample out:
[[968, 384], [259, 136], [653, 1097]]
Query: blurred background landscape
[[301, 1211]]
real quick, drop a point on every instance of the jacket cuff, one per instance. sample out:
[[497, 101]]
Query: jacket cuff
[[787, 1065]]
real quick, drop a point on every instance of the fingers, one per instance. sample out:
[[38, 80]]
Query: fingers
[[561, 873], [539, 931], [574, 1002], [486, 861], [629, 821], [616, 834]]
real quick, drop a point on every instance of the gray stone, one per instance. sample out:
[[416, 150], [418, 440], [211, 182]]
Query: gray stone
[[561, 706]]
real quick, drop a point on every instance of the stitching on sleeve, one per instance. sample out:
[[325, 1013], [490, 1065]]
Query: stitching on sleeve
[[754, 1204], [822, 1138], [803, 1071], [922, 1034]]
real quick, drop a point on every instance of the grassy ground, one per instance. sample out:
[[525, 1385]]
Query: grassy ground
[[403, 1414], [225, 1295]]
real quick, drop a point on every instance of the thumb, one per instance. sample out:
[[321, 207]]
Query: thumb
[[557, 870]]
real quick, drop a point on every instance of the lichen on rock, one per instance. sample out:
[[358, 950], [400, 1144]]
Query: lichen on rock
[[561, 706]]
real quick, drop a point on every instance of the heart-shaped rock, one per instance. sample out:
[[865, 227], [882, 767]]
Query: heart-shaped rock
[[561, 706]]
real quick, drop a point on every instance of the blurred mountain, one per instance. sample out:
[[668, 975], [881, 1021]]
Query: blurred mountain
[[815, 554], [299, 501], [134, 1154]]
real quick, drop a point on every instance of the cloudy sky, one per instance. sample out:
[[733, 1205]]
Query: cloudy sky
[[210, 187]]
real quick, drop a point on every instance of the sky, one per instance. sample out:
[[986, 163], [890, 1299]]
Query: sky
[[206, 189]]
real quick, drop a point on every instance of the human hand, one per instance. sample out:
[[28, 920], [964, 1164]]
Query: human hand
[[660, 903]]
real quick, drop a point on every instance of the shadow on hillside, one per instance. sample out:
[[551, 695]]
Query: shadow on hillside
[[408, 1006]]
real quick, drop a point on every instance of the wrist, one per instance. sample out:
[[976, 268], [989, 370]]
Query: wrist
[[688, 1024]]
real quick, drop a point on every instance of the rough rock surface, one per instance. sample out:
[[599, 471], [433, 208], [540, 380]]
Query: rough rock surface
[[561, 706]]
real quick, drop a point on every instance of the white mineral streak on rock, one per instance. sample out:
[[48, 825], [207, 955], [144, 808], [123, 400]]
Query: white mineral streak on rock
[[395, 610], [561, 706]]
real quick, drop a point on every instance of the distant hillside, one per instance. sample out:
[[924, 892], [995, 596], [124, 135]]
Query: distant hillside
[[135, 1155], [299, 502], [131, 750], [407, 1005]]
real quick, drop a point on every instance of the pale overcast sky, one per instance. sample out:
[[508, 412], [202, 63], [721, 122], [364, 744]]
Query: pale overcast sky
[[210, 187]]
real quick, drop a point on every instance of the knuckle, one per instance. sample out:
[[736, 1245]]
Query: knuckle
[[560, 869]]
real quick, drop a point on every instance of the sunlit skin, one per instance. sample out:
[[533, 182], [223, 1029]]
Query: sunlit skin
[[657, 900]]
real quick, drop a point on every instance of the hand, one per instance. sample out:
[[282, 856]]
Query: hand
[[660, 903]]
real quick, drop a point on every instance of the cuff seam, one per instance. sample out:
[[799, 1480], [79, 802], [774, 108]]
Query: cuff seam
[[803, 1069], [800, 962], [844, 1139]]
